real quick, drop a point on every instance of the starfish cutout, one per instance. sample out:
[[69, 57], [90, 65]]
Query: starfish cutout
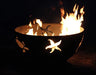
[[53, 46]]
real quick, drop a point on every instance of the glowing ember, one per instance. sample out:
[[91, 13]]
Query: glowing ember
[[72, 22], [53, 46]]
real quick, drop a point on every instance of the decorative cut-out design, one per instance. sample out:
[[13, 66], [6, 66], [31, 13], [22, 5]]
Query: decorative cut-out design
[[21, 45], [53, 46]]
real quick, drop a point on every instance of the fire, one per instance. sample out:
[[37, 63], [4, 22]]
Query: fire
[[53, 46], [44, 31], [45, 34], [72, 22], [39, 22], [30, 32], [53, 34], [30, 24]]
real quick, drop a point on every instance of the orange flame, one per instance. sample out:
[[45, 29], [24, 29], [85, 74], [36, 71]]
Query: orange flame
[[71, 23], [30, 24], [30, 32], [39, 22], [45, 34]]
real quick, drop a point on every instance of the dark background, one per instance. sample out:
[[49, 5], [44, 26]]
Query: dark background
[[14, 13]]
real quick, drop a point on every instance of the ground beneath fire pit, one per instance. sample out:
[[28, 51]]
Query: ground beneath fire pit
[[84, 59]]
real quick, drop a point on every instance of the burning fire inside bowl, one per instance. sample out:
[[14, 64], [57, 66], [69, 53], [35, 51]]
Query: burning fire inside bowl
[[71, 24], [53, 39]]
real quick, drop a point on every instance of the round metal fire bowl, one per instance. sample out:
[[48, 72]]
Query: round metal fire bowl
[[35, 45]]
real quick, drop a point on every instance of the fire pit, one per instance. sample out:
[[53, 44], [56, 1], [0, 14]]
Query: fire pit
[[35, 45], [51, 41]]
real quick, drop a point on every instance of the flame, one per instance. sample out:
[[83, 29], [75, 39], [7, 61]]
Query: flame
[[45, 34], [72, 22], [30, 24], [53, 46], [53, 34], [39, 22], [62, 12], [30, 32]]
